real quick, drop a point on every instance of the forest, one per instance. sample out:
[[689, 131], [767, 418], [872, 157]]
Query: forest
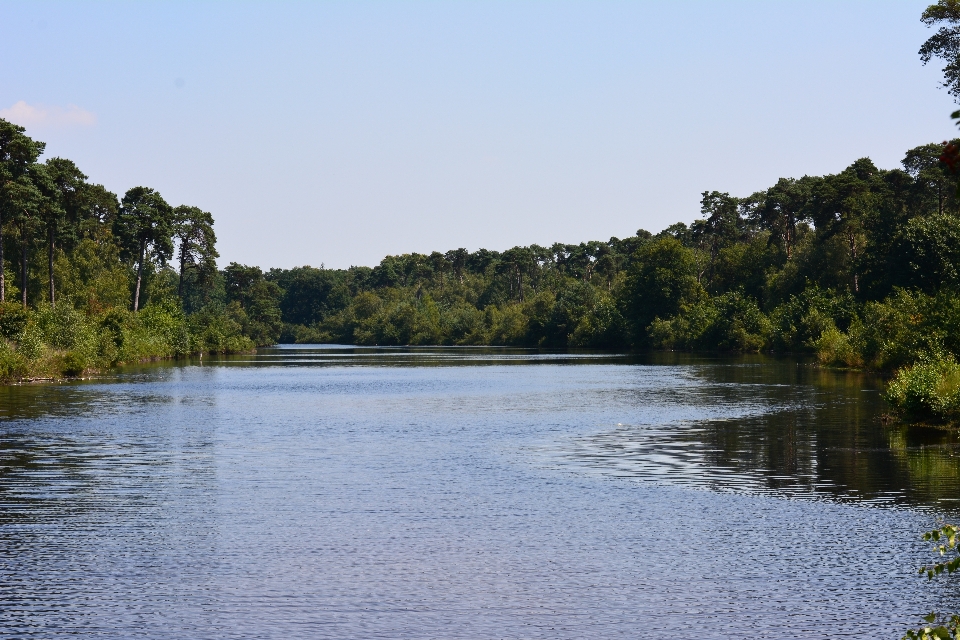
[[860, 268]]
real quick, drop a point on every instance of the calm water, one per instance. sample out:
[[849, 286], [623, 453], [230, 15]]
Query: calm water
[[445, 493]]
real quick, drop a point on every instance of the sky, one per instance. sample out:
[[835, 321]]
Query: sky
[[334, 133]]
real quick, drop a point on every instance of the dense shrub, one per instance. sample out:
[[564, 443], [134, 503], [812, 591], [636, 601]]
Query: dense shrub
[[65, 341], [728, 322], [928, 390]]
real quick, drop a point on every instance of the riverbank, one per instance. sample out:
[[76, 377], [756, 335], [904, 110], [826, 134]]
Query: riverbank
[[52, 343]]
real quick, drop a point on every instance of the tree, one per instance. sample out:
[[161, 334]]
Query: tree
[[193, 229], [516, 262], [840, 205], [945, 43], [28, 201], [931, 176], [723, 225], [926, 254], [660, 280], [144, 223], [18, 153], [98, 210], [440, 265], [309, 295], [458, 260], [65, 184], [780, 208], [258, 299]]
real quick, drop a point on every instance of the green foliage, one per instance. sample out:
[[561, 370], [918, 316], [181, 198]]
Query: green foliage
[[13, 319], [13, 364], [859, 267], [91, 277], [938, 626], [906, 327], [660, 282], [945, 43], [66, 341], [798, 323], [728, 322], [254, 303], [216, 331], [928, 390], [101, 254], [926, 253]]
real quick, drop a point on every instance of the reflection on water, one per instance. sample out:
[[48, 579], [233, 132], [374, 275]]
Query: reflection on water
[[465, 493], [796, 431]]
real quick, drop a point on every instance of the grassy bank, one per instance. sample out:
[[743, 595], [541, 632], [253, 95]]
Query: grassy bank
[[56, 342]]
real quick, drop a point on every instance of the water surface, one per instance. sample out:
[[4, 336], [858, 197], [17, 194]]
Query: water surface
[[465, 493]]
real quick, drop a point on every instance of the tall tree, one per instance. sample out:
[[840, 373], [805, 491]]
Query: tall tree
[[931, 176], [98, 210], [440, 265], [258, 298], [458, 260], [842, 203], [64, 184], [516, 262], [722, 226], [780, 208], [144, 223], [193, 229], [18, 152], [945, 43], [28, 201]]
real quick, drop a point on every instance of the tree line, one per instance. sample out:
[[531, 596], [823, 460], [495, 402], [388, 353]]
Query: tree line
[[789, 268], [861, 267], [89, 279], [50, 206]]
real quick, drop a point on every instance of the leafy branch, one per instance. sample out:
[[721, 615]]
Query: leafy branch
[[940, 626]]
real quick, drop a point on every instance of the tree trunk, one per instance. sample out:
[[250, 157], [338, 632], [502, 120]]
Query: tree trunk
[[853, 255], [23, 266], [183, 259], [50, 236], [136, 293], [3, 280]]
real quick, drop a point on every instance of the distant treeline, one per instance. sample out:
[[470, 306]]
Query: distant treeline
[[861, 268]]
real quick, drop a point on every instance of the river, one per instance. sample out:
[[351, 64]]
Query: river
[[331, 492]]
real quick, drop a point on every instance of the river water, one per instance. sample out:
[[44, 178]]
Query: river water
[[324, 492]]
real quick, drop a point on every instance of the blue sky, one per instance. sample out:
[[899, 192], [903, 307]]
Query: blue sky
[[336, 133]]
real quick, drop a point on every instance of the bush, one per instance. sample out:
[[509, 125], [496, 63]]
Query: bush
[[12, 364], [728, 322], [798, 323], [216, 331], [834, 348], [929, 390], [906, 327], [13, 319], [73, 364]]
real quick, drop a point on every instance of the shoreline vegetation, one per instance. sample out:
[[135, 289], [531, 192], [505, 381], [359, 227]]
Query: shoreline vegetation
[[860, 268]]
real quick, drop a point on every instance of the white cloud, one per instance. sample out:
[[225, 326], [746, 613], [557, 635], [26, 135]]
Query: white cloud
[[27, 115]]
